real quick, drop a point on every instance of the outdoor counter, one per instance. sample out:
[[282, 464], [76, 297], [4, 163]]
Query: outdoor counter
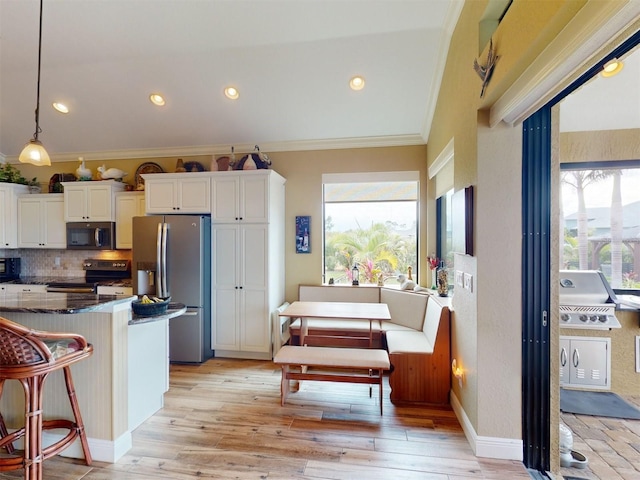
[[118, 387]]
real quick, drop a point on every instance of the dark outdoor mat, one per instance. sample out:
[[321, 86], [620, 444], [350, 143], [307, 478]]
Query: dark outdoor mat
[[599, 404]]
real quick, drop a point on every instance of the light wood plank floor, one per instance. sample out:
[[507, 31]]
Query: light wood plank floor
[[223, 420]]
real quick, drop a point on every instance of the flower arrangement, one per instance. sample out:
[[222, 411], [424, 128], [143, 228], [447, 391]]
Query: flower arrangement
[[433, 261]]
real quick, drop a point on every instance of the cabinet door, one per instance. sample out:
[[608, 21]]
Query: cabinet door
[[128, 205], [225, 191], [54, 231], [5, 205], [194, 195], [161, 195], [254, 199], [589, 362], [29, 223], [99, 203], [225, 285], [75, 204], [565, 360], [255, 323]]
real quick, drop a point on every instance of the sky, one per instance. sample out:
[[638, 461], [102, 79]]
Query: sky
[[599, 194]]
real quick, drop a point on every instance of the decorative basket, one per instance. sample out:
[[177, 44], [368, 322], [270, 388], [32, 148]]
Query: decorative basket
[[150, 309]]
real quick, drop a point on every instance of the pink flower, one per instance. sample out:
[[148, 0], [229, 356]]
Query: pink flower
[[433, 262]]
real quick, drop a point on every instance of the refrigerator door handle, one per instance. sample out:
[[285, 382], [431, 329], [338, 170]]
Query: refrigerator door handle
[[165, 285], [159, 265]]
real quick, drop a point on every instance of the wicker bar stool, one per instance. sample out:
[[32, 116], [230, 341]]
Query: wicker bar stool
[[29, 356]]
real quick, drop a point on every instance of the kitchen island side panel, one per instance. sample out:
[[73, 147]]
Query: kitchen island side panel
[[100, 380]]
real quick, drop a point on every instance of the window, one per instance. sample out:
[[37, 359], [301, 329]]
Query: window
[[600, 220], [444, 232], [370, 221]]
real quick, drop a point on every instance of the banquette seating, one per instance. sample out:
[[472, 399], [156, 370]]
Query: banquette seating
[[417, 338]]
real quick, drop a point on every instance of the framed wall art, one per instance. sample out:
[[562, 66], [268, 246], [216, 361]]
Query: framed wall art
[[303, 234]]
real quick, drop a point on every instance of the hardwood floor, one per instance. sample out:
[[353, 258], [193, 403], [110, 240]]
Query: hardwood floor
[[223, 420]]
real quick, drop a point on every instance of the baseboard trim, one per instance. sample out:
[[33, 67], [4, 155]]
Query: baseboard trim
[[101, 450], [487, 447]]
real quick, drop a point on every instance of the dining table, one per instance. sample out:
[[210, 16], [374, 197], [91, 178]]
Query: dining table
[[304, 310]]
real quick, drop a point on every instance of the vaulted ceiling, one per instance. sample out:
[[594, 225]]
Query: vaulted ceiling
[[291, 61]]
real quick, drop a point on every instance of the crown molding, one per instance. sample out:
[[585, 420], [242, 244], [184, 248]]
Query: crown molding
[[566, 57], [442, 159], [453, 14], [225, 149]]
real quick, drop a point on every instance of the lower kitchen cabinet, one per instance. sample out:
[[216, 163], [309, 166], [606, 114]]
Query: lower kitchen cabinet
[[242, 265], [585, 362], [41, 221]]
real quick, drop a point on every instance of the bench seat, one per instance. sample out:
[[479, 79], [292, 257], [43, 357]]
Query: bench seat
[[369, 366]]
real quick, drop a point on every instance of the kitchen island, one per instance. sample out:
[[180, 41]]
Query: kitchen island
[[118, 387]]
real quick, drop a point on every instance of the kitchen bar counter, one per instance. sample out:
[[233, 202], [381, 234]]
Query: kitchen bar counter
[[174, 310], [64, 303], [118, 387]]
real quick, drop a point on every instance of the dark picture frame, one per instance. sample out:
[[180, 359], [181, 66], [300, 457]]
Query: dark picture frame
[[303, 234]]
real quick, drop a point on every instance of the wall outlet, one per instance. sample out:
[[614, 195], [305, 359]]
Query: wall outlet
[[468, 282], [459, 278]]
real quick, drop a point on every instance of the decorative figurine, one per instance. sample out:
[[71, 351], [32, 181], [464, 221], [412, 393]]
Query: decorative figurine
[[111, 173], [82, 172]]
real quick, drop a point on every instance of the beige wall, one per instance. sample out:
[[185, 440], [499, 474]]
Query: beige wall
[[303, 171]]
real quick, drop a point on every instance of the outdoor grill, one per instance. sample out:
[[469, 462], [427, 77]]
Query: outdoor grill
[[587, 300]]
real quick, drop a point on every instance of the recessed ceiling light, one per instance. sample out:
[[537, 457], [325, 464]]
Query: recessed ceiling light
[[157, 99], [232, 93], [61, 107], [612, 67], [356, 83]]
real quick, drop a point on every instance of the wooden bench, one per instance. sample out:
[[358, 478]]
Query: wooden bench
[[369, 364]]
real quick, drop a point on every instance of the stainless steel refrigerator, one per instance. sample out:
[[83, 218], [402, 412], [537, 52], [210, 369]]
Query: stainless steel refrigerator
[[172, 257]]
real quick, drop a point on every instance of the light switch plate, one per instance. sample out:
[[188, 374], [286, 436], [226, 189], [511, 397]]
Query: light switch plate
[[459, 278], [468, 282]]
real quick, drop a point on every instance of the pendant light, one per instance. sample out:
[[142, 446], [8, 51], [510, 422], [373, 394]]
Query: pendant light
[[34, 152]]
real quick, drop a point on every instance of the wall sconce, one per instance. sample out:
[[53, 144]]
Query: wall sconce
[[355, 275], [457, 372]]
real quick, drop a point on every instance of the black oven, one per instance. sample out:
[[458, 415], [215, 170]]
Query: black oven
[[9, 269], [91, 235]]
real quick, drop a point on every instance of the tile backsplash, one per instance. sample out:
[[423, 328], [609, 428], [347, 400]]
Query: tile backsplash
[[58, 263]]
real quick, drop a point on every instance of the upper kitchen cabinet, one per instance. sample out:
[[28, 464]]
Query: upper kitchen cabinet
[[9, 213], [178, 193], [128, 205], [90, 201], [41, 221], [246, 196]]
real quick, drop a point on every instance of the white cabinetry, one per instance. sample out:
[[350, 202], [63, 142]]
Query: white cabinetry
[[9, 214], [240, 197], [585, 362], [128, 205], [25, 288], [247, 275], [180, 193], [90, 201], [111, 290], [41, 221]]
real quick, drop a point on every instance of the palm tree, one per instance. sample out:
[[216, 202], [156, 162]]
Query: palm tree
[[580, 179], [616, 231]]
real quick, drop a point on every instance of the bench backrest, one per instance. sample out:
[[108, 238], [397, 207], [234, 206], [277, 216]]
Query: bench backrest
[[435, 314], [338, 293], [406, 308]]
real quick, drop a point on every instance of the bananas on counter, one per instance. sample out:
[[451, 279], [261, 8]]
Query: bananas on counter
[[147, 300]]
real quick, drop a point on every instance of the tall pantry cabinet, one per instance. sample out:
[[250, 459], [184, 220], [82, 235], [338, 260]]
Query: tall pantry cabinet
[[247, 275]]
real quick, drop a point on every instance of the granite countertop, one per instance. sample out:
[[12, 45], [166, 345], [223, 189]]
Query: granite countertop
[[174, 310], [46, 280], [50, 302]]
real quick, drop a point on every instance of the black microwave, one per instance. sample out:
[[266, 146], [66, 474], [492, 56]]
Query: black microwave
[[9, 268], [91, 235]]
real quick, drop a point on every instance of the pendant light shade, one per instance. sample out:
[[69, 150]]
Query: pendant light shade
[[34, 152]]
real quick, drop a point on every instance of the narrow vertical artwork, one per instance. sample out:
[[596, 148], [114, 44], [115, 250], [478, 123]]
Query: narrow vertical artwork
[[303, 234]]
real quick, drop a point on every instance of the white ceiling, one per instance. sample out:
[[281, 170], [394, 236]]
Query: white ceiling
[[290, 59]]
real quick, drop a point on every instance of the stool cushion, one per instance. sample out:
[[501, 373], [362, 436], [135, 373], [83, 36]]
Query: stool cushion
[[60, 348]]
